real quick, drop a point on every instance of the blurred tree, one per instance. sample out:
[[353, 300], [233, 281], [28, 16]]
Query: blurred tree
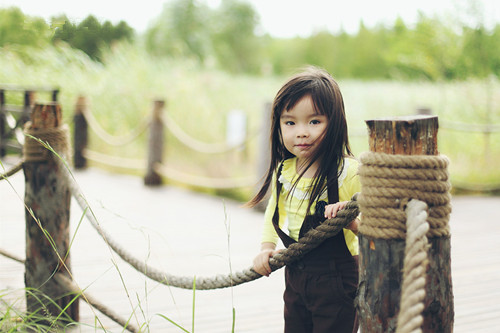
[[181, 30], [234, 42], [89, 35], [18, 29]]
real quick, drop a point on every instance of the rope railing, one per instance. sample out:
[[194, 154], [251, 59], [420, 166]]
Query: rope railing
[[115, 161], [312, 239], [207, 182], [112, 139], [198, 145], [70, 286], [12, 170]]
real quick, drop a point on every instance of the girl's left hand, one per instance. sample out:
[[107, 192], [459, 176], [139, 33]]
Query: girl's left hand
[[332, 209]]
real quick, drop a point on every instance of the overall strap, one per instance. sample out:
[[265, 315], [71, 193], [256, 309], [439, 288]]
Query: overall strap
[[287, 240]]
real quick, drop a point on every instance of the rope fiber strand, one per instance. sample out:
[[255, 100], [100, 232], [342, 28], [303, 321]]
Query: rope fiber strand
[[389, 181], [410, 317], [312, 239]]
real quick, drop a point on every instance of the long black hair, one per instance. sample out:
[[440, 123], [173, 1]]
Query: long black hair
[[327, 100]]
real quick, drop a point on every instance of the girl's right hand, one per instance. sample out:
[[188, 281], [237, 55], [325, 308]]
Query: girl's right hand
[[261, 261]]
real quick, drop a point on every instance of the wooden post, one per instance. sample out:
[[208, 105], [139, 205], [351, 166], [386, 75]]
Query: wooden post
[[381, 260], [29, 100], [80, 138], [264, 151], [155, 146], [47, 198], [2, 123]]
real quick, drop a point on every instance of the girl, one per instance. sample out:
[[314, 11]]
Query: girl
[[309, 168]]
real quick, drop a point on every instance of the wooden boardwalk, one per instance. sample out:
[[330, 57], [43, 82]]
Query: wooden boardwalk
[[189, 234]]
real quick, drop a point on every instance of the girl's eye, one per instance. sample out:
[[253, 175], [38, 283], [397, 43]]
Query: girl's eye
[[289, 123], [315, 122]]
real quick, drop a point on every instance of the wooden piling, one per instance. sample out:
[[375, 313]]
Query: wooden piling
[[155, 145], [80, 136], [381, 260], [47, 199], [2, 123]]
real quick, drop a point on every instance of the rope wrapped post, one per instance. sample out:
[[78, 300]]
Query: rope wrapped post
[[80, 136], [403, 164], [155, 145], [47, 200]]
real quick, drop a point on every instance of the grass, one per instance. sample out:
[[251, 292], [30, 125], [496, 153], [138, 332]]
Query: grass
[[121, 93]]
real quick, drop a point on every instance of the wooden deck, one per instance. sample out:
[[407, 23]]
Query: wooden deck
[[185, 233]]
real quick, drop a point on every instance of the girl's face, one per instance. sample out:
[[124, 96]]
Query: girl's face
[[302, 129]]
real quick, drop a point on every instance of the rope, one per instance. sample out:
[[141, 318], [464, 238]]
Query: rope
[[410, 317], [311, 240], [39, 142], [71, 287], [111, 139], [218, 183], [114, 161], [196, 145], [388, 182], [12, 171], [11, 256]]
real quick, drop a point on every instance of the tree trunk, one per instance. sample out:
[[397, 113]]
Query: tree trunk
[[381, 260], [47, 198]]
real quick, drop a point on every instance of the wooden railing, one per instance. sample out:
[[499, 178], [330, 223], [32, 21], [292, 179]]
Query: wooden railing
[[16, 103]]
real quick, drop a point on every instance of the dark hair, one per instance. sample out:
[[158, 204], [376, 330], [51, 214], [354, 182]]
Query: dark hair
[[328, 101]]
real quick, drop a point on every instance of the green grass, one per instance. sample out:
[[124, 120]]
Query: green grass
[[121, 94]]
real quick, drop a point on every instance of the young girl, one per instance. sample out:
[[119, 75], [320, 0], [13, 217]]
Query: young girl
[[311, 178]]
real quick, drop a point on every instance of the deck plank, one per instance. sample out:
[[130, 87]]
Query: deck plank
[[185, 234]]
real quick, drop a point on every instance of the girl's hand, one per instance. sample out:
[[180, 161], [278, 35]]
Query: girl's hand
[[261, 261], [332, 209], [353, 226]]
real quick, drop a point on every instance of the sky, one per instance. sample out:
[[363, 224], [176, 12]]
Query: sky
[[280, 18]]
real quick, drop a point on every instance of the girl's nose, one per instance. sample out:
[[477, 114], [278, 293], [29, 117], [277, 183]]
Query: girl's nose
[[302, 132]]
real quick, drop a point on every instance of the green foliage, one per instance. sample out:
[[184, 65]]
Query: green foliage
[[180, 31], [90, 35], [233, 36], [226, 35], [19, 29], [432, 49]]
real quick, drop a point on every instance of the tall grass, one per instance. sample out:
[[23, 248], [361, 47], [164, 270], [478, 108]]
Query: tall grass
[[121, 92]]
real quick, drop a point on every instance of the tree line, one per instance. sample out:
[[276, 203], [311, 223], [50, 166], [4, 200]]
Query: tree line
[[227, 37]]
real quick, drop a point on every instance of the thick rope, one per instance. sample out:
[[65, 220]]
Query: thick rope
[[410, 317], [197, 145], [111, 139], [390, 181], [11, 256], [218, 183], [71, 287], [114, 161], [312, 239], [12, 171]]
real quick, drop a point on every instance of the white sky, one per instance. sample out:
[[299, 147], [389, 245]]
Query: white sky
[[280, 18]]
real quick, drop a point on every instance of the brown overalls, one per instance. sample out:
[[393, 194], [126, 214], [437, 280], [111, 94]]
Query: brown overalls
[[320, 287]]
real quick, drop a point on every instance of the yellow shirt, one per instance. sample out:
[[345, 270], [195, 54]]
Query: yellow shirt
[[292, 208]]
